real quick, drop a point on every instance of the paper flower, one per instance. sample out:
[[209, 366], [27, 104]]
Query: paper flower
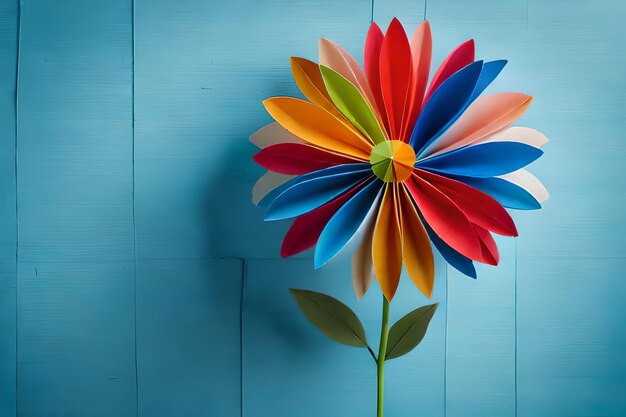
[[382, 163]]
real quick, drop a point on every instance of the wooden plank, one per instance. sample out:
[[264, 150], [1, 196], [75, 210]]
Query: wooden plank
[[76, 328], [571, 351], [188, 338], [576, 61], [202, 71], [75, 131], [76, 283], [291, 369], [9, 17], [480, 371]]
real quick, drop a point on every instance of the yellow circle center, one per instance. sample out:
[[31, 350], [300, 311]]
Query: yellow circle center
[[392, 160]]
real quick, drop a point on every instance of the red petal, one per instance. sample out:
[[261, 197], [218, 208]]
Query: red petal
[[395, 75], [461, 57], [480, 208], [489, 247], [421, 49], [306, 229], [445, 218], [297, 159], [371, 61]]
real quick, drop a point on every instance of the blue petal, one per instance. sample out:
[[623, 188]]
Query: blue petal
[[310, 191], [271, 196], [505, 192], [455, 259], [484, 160], [488, 73], [447, 102], [345, 223]]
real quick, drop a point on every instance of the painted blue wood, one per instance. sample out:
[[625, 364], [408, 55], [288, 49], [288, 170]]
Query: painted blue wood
[[290, 368], [75, 271], [571, 339], [9, 16], [202, 70], [188, 338], [76, 331]]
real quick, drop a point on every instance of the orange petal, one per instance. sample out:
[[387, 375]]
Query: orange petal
[[309, 79], [416, 250], [387, 244], [317, 126], [487, 115]]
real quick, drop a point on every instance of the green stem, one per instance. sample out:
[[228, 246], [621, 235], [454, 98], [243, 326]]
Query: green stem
[[382, 352]]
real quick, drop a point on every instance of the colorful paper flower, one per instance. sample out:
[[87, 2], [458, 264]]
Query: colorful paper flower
[[382, 163]]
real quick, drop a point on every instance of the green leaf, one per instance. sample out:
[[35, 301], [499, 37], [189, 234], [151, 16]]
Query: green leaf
[[409, 331], [352, 104], [331, 316]]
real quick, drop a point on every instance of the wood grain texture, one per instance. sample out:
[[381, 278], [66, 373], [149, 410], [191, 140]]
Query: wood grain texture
[[570, 346], [202, 70], [284, 354], [76, 353], [188, 338], [9, 17]]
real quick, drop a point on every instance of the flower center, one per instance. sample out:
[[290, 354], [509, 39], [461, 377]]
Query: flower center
[[392, 160]]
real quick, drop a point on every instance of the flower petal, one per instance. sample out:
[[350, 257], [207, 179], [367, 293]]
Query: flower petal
[[460, 57], [445, 218], [310, 191], [395, 76], [445, 105], [491, 255], [371, 61], [297, 159], [362, 263], [528, 182], [306, 229], [416, 251], [485, 160], [333, 55], [479, 208], [343, 226], [273, 134], [453, 258], [267, 183], [421, 51], [387, 245], [486, 116], [317, 126], [526, 135], [353, 105], [506, 193], [309, 79]]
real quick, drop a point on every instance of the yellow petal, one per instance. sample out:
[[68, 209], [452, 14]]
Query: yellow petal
[[387, 244], [317, 126], [416, 250]]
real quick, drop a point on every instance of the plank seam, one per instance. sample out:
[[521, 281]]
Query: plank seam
[[132, 94], [17, 224], [244, 275], [515, 321]]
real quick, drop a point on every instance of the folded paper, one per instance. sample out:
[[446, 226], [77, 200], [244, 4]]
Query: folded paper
[[381, 163]]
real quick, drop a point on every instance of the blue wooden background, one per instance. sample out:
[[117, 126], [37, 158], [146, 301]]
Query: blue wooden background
[[137, 279]]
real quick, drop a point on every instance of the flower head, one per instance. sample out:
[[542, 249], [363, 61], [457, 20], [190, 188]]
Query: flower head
[[382, 163]]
